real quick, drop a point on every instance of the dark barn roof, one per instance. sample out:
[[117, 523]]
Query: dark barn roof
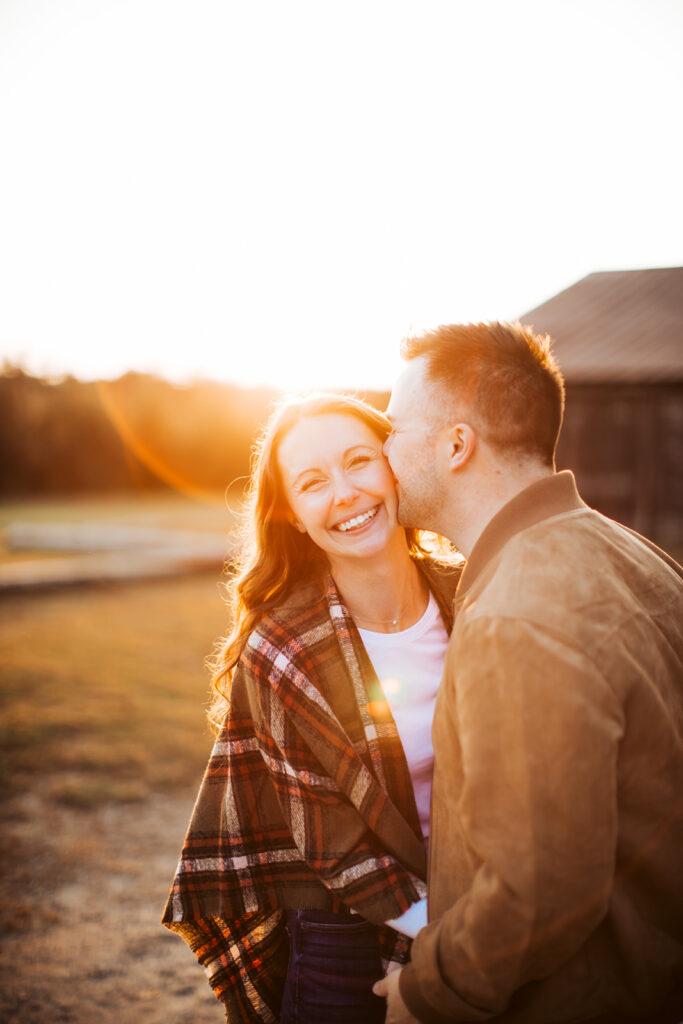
[[623, 326]]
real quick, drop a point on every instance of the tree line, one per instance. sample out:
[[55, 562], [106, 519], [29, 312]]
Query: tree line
[[136, 433]]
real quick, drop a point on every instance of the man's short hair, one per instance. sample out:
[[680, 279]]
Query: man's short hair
[[501, 375]]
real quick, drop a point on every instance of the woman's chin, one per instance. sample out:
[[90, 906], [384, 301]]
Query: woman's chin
[[384, 543]]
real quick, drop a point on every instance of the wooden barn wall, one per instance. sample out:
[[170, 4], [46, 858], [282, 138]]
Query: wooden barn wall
[[625, 445]]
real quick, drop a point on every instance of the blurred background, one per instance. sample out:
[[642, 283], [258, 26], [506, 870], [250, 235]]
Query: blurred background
[[202, 206]]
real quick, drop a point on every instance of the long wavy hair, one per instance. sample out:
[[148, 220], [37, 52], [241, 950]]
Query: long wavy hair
[[273, 556]]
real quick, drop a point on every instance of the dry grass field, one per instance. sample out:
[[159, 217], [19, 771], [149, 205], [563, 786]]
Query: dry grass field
[[103, 688], [103, 744]]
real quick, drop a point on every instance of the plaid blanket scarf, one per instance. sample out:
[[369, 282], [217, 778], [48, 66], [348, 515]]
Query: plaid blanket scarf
[[306, 803]]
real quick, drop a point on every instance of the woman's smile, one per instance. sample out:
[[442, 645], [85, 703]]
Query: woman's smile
[[358, 521]]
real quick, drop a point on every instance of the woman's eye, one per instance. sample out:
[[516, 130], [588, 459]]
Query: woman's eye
[[312, 484], [360, 460]]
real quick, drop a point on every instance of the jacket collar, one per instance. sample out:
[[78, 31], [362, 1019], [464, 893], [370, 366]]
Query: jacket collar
[[551, 496]]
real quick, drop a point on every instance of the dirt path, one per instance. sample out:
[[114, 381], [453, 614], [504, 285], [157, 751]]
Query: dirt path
[[82, 895]]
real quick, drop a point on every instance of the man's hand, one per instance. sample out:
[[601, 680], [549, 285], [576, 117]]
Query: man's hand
[[397, 1011]]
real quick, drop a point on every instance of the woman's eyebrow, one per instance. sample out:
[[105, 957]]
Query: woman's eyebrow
[[304, 472], [367, 447]]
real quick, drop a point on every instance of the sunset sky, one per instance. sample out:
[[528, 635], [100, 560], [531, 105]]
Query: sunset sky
[[277, 192]]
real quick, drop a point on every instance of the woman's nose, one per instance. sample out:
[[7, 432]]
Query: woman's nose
[[344, 490]]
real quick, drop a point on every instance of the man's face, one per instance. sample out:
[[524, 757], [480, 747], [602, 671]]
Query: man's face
[[418, 424]]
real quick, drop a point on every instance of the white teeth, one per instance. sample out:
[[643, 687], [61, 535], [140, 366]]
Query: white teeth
[[350, 524]]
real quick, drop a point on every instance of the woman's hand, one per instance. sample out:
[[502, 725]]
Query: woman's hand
[[397, 1011]]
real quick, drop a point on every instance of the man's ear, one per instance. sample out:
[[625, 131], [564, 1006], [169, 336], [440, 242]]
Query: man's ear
[[462, 442]]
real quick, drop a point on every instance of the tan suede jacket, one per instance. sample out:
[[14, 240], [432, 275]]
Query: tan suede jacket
[[556, 861]]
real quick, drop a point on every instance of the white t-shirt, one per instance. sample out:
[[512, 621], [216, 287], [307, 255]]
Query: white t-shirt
[[409, 666]]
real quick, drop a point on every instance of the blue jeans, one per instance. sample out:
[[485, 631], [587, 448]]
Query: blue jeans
[[334, 961]]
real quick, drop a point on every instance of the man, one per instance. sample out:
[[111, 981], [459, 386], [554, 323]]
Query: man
[[556, 851]]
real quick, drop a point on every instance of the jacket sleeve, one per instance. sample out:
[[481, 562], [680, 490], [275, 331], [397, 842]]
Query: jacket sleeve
[[329, 799], [538, 730]]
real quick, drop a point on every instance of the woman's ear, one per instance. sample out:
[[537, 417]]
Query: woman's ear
[[462, 442], [296, 524]]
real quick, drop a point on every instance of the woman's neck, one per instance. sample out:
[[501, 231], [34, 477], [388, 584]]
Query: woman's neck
[[384, 595]]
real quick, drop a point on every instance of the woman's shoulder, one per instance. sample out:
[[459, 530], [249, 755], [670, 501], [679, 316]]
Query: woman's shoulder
[[295, 634], [309, 593], [297, 613]]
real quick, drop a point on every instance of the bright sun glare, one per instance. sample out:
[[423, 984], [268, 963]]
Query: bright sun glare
[[277, 193]]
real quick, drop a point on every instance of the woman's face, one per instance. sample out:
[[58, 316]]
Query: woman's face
[[338, 485]]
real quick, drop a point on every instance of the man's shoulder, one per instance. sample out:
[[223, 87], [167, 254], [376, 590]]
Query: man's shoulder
[[570, 561]]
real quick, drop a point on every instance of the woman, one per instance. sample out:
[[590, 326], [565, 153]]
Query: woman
[[308, 834]]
